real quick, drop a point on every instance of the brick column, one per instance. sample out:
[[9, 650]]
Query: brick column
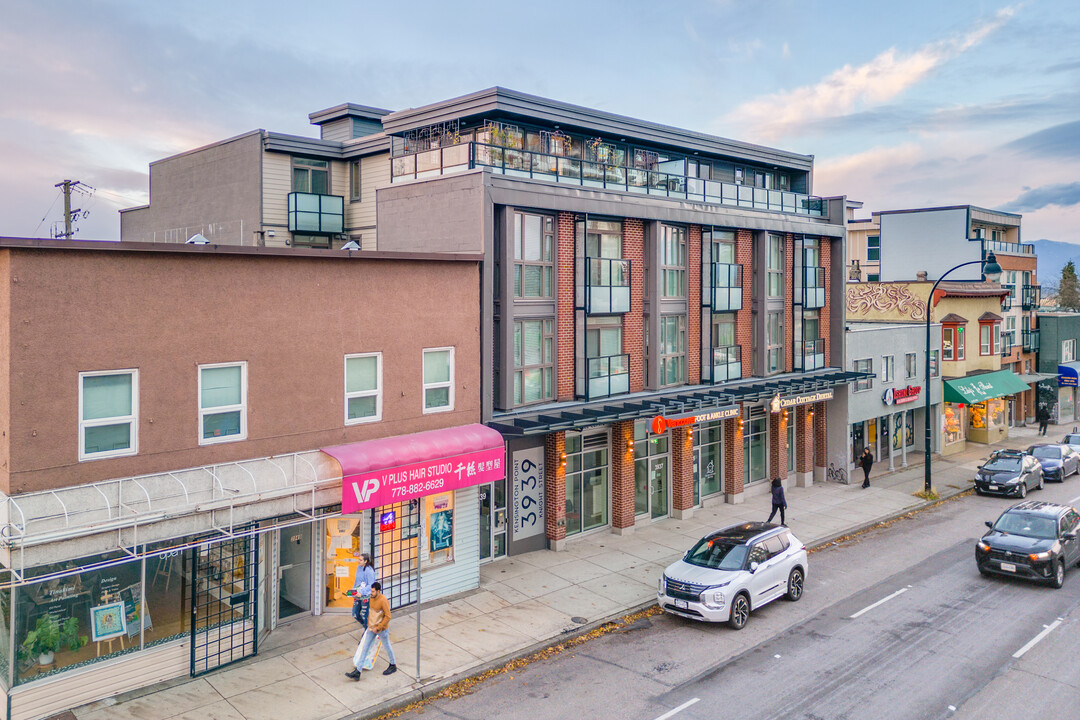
[[564, 305], [825, 247], [634, 321], [744, 319], [734, 469], [622, 477], [693, 298], [777, 446], [682, 473], [555, 490], [821, 447], [804, 448], [789, 299]]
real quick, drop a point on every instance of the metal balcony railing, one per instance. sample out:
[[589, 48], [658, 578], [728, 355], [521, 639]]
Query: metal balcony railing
[[1030, 297], [727, 294], [607, 375], [1008, 339], [1031, 340], [1007, 248], [813, 295], [316, 214], [726, 363], [1007, 301], [810, 354], [607, 286]]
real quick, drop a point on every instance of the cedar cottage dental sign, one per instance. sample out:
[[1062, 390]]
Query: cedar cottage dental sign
[[407, 482]]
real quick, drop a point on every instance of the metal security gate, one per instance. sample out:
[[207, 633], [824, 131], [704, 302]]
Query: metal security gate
[[224, 602], [395, 535]]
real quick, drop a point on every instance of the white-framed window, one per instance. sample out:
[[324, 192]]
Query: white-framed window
[[673, 261], [363, 388], [873, 248], [1068, 350], [108, 414], [865, 365], [887, 368], [910, 365], [222, 402], [438, 380]]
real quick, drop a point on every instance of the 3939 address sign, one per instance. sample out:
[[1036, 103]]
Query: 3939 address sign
[[527, 492]]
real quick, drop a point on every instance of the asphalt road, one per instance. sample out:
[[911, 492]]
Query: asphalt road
[[896, 623]]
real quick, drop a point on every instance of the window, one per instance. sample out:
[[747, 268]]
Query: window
[[873, 248], [775, 266], [534, 255], [887, 369], [311, 176], [873, 278], [774, 342], [438, 380], [866, 366], [673, 261], [910, 366], [354, 181], [313, 241], [989, 338], [1068, 350], [534, 358], [672, 349], [363, 388], [935, 369], [108, 417], [952, 342], [222, 403]]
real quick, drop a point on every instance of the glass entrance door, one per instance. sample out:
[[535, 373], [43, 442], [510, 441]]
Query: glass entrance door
[[652, 467], [493, 520], [659, 486], [294, 571]]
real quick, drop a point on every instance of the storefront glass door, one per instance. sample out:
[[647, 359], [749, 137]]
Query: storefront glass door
[[492, 520], [294, 570], [652, 465], [344, 542]]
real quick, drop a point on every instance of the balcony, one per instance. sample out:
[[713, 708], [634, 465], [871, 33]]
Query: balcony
[[607, 286], [813, 294], [1007, 248], [575, 171], [1007, 301], [810, 355], [607, 375], [1008, 339], [1031, 340], [1030, 296], [726, 287], [726, 363], [316, 214]]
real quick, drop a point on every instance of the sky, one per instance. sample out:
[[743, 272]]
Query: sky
[[915, 104]]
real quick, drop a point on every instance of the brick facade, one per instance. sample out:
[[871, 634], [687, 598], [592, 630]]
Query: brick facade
[[734, 468], [564, 305], [634, 321], [693, 297], [777, 445], [622, 474], [821, 449], [744, 319], [804, 434], [555, 486], [682, 469]]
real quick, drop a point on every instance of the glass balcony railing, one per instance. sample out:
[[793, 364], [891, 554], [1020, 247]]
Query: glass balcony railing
[[1030, 296], [1007, 248], [813, 287], [726, 363], [576, 171], [726, 287], [1031, 340], [607, 286], [316, 214], [1008, 339], [810, 354], [607, 375]]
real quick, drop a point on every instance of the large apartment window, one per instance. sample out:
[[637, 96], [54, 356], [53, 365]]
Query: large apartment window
[[952, 342], [438, 380], [363, 388], [108, 414], [534, 255], [222, 402], [865, 365], [775, 267], [672, 349], [774, 342], [603, 239], [354, 181], [910, 366], [311, 176], [873, 248], [673, 261], [534, 361], [1068, 350]]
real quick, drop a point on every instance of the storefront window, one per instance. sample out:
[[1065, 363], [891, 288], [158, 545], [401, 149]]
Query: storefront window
[[344, 541], [754, 446], [708, 440], [898, 431], [1066, 406], [989, 414], [439, 524], [910, 424], [586, 482], [953, 417]]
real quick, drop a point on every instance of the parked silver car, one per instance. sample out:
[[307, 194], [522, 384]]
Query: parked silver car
[[733, 571], [1072, 440]]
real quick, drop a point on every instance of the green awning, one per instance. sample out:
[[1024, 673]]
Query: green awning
[[978, 388]]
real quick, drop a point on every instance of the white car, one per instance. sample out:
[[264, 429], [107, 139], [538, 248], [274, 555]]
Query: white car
[[733, 571]]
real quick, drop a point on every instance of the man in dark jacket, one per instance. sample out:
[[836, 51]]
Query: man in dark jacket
[[1043, 416], [779, 502], [866, 461]]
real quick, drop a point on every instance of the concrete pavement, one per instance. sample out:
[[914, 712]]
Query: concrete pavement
[[524, 603]]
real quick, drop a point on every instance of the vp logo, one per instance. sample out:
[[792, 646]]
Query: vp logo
[[363, 494]]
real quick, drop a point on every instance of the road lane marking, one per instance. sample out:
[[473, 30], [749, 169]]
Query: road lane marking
[[1047, 629], [1074, 499], [886, 599], [682, 707]]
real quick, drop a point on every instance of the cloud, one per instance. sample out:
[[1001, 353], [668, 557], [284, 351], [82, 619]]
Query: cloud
[[1054, 142], [852, 88], [1061, 194]]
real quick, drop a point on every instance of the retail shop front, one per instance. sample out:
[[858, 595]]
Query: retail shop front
[[974, 407], [889, 421], [1068, 380]]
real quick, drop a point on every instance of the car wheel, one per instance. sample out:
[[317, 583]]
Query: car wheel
[[795, 585], [1058, 578], [1040, 485], [740, 612], [1022, 492]]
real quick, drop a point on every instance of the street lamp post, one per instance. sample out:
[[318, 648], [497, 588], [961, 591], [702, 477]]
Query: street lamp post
[[991, 271]]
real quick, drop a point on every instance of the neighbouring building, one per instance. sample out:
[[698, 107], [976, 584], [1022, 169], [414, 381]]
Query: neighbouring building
[[1059, 362]]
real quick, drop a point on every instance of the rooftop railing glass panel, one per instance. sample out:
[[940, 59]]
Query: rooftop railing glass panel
[[813, 287], [607, 375], [810, 354], [1008, 248], [726, 363]]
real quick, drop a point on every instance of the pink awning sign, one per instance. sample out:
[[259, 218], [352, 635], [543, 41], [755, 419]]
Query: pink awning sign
[[392, 470]]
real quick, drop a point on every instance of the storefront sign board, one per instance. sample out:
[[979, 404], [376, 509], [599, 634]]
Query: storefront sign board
[[780, 402], [899, 396], [661, 423], [528, 492]]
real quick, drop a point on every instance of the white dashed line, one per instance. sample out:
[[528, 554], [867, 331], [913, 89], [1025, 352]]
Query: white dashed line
[[682, 707], [1073, 501], [1047, 629], [868, 608]]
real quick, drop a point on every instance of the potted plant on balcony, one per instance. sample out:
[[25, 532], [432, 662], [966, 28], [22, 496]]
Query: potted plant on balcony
[[50, 635]]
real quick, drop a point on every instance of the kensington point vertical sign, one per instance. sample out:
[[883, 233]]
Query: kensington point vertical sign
[[528, 492]]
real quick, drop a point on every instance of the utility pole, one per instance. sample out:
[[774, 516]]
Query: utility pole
[[67, 186]]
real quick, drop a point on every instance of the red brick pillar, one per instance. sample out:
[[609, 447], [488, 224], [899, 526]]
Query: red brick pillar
[[564, 305], [777, 445], [821, 448], [734, 470], [744, 319], [825, 247], [789, 307], [804, 448], [555, 490], [682, 472], [634, 321], [622, 476], [693, 296]]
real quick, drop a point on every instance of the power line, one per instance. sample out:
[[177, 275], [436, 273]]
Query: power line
[[46, 216]]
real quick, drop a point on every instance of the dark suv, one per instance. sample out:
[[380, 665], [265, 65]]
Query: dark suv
[[1032, 540]]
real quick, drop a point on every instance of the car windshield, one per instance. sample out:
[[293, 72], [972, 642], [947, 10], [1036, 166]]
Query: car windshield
[[1072, 440], [717, 554], [1047, 451], [1003, 463], [1027, 525]]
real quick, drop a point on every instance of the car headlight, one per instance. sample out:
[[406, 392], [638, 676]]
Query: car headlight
[[982, 547], [713, 599], [1044, 556], [661, 585]]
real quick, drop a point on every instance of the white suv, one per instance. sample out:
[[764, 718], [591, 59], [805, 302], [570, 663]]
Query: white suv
[[733, 571]]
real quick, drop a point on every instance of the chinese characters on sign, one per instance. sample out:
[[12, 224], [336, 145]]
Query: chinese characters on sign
[[528, 493]]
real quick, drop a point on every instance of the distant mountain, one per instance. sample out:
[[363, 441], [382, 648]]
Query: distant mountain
[[1052, 256]]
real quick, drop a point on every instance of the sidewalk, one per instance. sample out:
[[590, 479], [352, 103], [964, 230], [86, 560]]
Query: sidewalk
[[524, 603]]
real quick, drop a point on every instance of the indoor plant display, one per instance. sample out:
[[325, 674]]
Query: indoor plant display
[[49, 635]]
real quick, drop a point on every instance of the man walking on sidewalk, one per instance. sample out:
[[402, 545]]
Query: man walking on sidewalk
[[1043, 416], [378, 626], [866, 461]]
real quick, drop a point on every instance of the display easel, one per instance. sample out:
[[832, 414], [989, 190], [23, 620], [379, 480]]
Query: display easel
[[164, 569], [106, 598]]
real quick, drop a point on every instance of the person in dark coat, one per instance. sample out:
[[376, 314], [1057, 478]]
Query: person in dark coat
[[779, 502], [866, 461], [1043, 416]]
